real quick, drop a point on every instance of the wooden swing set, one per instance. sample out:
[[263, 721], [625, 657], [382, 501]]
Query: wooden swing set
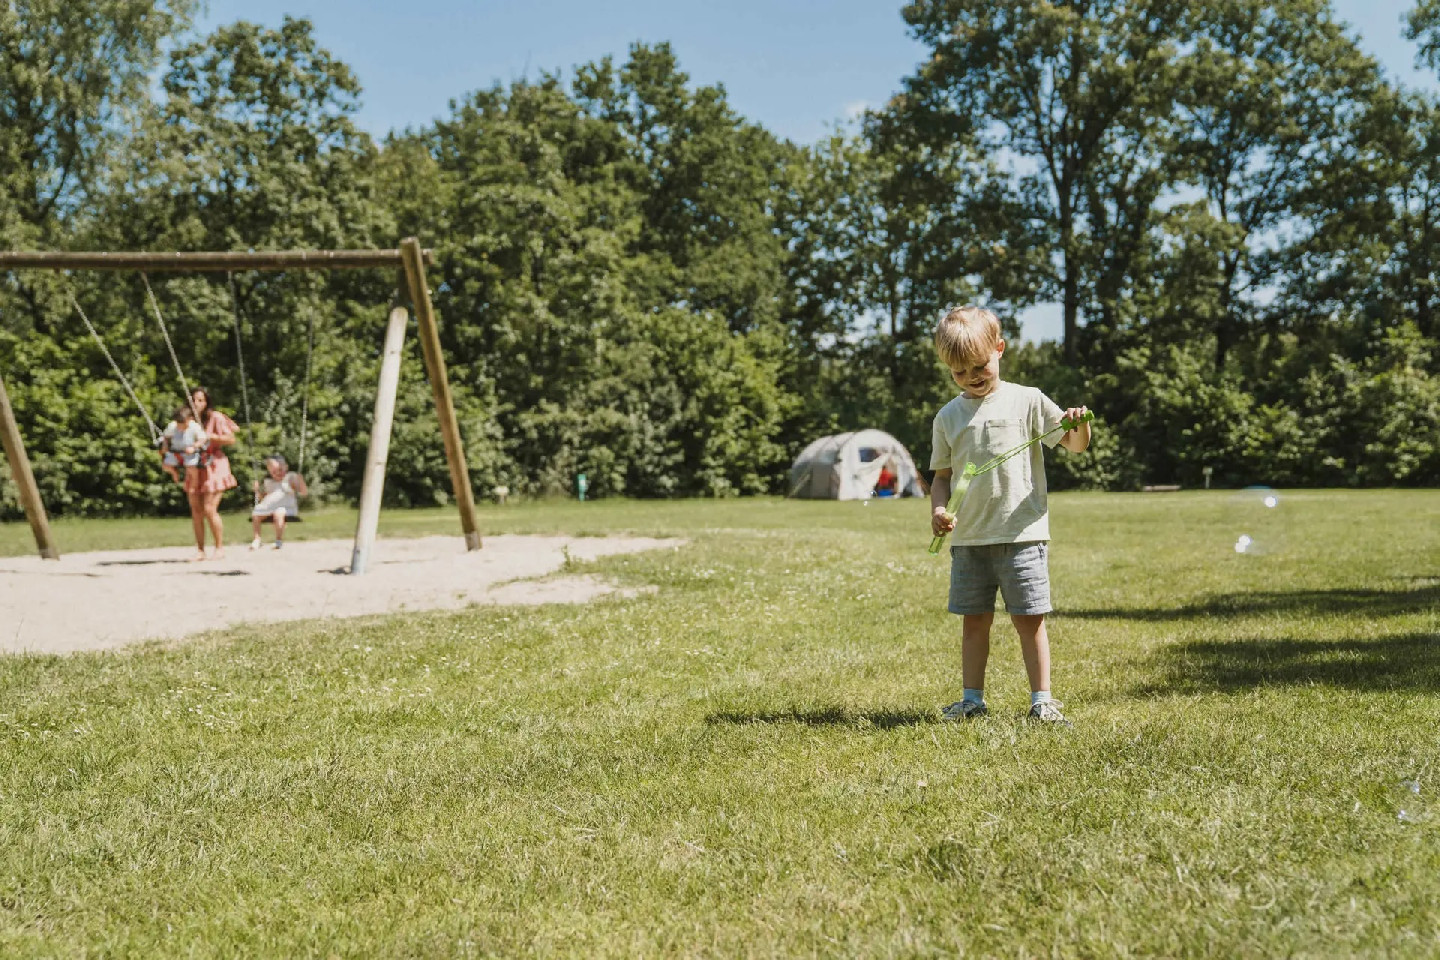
[[410, 259]]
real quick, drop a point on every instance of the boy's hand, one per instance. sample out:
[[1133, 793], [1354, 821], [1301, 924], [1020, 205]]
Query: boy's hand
[[1076, 437], [941, 522]]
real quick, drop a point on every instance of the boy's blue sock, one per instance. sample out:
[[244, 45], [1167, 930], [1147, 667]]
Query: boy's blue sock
[[1039, 696], [975, 695]]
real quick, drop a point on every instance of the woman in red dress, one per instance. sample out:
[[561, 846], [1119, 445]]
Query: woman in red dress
[[206, 484]]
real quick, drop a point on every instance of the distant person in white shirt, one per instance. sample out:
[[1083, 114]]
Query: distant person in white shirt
[[183, 443], [1002, 529], [276, 498]]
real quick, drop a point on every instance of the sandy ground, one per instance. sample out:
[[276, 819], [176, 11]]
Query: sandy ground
[[95, 601]]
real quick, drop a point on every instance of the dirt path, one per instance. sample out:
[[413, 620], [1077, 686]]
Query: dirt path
[[95, 601]]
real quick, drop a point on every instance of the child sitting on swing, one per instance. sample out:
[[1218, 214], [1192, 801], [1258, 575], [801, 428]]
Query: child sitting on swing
[[282, 489], [183, 443]]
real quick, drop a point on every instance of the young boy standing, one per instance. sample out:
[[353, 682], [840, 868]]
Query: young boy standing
[[1002, 529]]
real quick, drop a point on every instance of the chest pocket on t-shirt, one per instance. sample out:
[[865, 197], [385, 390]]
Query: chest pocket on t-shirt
[[999, 437]]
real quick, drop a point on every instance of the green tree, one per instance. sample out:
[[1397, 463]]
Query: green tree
[[70, 71], [1121, 247], [598, 230], [1369, 249], [893, 232], [1050, 83], [708, 181], [1270, 92], [73, 75], [254, 147]]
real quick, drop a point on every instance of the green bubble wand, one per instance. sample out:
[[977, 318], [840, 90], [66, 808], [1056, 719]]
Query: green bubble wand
[[970, 472]]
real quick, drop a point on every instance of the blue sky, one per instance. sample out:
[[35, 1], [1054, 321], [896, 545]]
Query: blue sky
[[796, 66]]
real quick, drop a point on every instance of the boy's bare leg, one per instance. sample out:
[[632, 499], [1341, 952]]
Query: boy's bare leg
[[1034, 647], [278, 518], [975, 648], [255, 526]]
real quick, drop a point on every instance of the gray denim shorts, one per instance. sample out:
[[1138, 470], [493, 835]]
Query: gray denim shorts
[[1021, 571]]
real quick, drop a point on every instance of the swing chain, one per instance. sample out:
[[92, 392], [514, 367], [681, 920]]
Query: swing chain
[[165, 332], [244, 391], [155, 433], [305, 392]]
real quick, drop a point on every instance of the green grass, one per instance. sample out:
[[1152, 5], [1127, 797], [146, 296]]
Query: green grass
[[749, 762]]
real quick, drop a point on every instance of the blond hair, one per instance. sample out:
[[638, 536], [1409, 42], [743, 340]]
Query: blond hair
[[967, 336]]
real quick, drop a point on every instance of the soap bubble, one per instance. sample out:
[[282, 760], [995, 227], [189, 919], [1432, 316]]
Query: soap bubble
[[1412, 807], [1257, 543], [1256, 509], [1258, 495]]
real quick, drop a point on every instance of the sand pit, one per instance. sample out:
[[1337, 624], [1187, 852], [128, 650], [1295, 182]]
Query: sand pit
[[96, 601]]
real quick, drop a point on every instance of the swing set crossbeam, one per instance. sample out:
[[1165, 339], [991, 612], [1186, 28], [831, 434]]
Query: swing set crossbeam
[[210, 262]]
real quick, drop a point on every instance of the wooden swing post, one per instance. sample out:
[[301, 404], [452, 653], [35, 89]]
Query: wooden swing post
[[440, 386], [373, 483], [30, 500]]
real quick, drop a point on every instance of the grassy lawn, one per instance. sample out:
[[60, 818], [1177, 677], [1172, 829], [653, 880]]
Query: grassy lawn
[[750, 761]]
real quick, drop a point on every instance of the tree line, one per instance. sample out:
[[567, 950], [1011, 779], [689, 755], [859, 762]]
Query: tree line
[[1236, 210]]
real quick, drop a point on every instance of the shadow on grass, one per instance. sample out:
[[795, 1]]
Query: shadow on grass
[[827, 717], [1403, 662], [1367, 603]]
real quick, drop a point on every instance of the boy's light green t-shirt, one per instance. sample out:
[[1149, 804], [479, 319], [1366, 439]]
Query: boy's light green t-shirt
[[1006, 504]]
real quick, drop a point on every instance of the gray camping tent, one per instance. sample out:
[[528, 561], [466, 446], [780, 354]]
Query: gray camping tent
[[847, 465]]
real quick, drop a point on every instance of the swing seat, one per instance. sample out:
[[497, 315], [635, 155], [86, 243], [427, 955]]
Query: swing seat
[[270, 518]]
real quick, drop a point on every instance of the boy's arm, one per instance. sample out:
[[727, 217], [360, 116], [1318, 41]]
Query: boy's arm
[[940, 520], [1078, 439], [297, 482], [940, 484]]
